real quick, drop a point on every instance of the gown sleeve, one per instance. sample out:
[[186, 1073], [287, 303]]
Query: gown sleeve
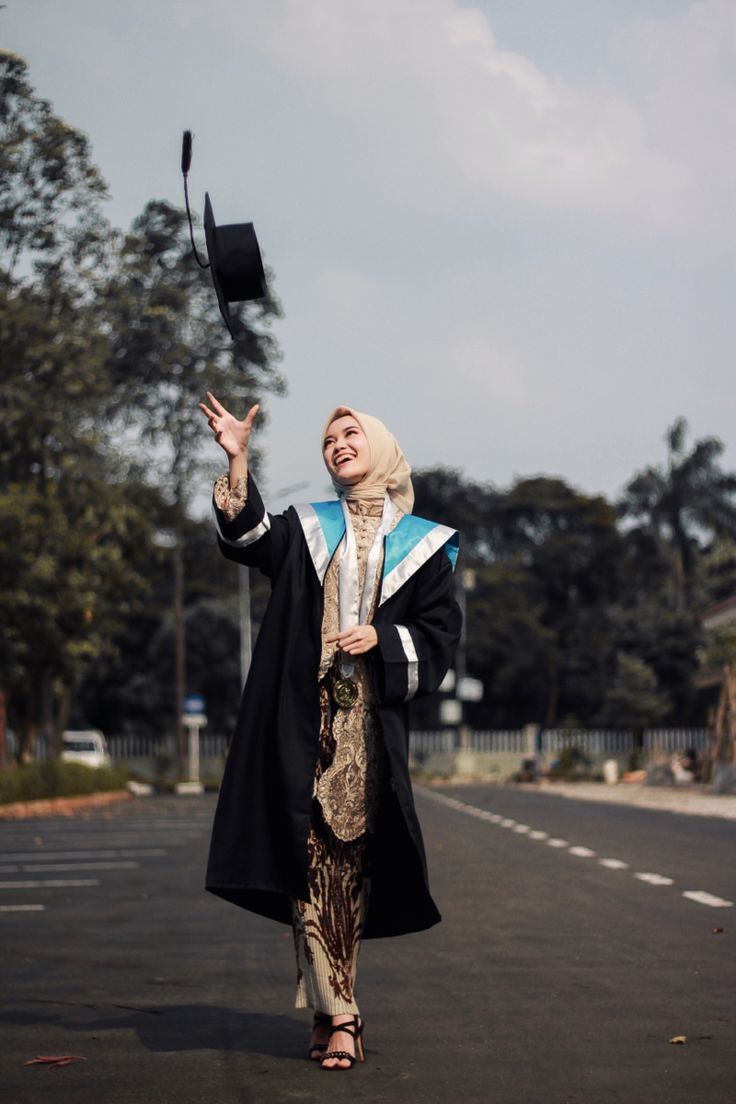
[[252, 537], [412, 659]]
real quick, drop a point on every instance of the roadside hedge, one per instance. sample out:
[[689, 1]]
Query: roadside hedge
[[54, 778]]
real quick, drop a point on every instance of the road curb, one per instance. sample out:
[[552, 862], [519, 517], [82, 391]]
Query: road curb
[[60, 806], [663, 799]]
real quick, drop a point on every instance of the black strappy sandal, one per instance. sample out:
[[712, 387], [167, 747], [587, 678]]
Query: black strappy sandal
[[355, 1030], [321, 1019]]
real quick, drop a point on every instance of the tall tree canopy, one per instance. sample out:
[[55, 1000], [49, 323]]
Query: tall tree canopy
[[679, 504], [108, 343]]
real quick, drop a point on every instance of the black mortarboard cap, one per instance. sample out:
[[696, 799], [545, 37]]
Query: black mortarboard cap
[[235, 260], [234, 257]]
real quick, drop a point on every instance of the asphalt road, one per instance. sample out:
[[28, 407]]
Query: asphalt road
[[558, 974]]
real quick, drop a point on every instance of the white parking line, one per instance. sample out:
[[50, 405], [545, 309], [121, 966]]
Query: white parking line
[[38, 868], [582, 852], [614, 864], [50, 883], [98, 853], [655, 879], [22, 908], [704, 898]]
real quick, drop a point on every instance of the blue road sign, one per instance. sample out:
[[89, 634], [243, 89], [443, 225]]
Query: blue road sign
[[194, 703]]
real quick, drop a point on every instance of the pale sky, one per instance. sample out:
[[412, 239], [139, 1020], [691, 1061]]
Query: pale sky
[[507, 229]]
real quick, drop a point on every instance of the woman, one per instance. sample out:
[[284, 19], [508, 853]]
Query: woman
[[315, 823]]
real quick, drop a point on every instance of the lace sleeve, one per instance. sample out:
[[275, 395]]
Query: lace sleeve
[[231, 500]]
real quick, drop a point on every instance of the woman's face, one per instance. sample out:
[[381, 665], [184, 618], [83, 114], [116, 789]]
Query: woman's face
[[346, 451]]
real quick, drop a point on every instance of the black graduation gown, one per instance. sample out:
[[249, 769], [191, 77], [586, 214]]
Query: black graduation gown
[[258, 852]]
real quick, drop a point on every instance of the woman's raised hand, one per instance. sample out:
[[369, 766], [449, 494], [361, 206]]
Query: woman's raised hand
[[231, 434]]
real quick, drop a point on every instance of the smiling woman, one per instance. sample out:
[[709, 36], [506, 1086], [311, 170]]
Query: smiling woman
[[346, 449], [315, 823]]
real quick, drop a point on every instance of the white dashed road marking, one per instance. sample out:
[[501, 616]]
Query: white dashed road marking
[[655, 879], [704, 898], [22, 908], [700, 896]]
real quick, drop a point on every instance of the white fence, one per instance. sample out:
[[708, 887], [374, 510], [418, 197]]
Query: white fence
[[676, 739], [591, 741], [145, 747], [502, 739], [123, 748]]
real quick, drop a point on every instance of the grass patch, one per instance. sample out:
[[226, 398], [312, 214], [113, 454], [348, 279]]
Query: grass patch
[[54, 778]]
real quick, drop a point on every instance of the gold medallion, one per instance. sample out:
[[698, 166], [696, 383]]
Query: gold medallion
[[344, 693]]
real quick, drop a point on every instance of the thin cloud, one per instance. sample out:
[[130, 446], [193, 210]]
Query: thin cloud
[[456, 121]]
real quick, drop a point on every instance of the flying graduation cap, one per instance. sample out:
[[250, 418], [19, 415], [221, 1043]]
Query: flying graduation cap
[[234, 257]]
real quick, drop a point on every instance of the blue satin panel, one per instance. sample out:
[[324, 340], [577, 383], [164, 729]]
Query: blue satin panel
[[331, 522], [408, 546]]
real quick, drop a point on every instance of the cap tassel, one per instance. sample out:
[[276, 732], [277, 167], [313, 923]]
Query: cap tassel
[[186, 161]]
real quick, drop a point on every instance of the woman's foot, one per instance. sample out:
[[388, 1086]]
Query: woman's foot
[[344, 1046], [321, 1028]]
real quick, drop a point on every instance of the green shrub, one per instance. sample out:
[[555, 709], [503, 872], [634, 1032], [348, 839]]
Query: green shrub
[[571, 763], [54, 778]]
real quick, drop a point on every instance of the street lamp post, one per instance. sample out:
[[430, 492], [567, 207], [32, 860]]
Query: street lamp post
[[467, 584]]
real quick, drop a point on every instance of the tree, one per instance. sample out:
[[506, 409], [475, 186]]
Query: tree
[[64, 513], [168, 349], [548, 566], [677, 504], [50, 191], [633, 700], [72, 568]]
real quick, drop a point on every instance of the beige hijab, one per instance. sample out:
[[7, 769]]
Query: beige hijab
[[389, 470]]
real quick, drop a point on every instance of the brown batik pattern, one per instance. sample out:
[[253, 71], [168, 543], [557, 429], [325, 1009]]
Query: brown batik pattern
[[328, 927], [350, 768]]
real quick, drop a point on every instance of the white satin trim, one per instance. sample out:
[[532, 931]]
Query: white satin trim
[[355, 607], [420, 553], [412, 661], [315, 538], [250, 537]]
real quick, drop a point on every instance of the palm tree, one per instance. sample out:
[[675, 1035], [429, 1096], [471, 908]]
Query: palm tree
[[689, 497]]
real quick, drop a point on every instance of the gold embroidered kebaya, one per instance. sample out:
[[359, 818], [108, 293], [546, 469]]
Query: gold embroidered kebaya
[[350, 769], [348, 789], [349, 773], [231, 501]]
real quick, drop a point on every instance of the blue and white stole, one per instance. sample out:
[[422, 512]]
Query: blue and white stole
[[408, 546]]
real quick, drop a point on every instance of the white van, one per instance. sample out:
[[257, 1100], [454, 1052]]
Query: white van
[[89, 748]]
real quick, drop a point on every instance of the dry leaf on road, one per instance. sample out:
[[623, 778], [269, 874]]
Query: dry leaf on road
[[54, 1060]]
